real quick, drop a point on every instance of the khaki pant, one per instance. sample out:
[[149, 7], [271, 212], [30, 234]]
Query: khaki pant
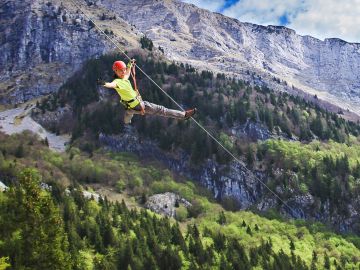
[[153, 109]]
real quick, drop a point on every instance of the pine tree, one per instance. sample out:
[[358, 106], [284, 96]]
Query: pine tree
[[254, 257], [41, 241], [19, 152], [222, 219], [248, 230], [177, 238], [326, 261], [224, 265], [292, 245]]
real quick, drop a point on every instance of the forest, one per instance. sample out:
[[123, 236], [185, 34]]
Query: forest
[[54, 226]]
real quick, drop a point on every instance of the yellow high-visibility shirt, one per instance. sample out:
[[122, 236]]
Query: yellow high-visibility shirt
[[126, 91]]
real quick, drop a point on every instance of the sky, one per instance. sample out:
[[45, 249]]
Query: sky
[[318, 18]]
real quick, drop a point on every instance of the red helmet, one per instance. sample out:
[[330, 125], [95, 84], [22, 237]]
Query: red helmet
[[119, 65]]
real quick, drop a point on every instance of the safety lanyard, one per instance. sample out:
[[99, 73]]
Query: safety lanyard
[[133, 76]]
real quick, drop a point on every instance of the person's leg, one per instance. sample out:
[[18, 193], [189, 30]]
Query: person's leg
[[151, 108], [128, 115]]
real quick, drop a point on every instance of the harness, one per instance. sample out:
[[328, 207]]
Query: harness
[[128, 103], [138, 97]]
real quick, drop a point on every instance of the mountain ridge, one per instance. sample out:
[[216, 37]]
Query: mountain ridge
[[216, 42], [186, 34]]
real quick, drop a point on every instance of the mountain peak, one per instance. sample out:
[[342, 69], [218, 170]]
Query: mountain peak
[[213, 41]]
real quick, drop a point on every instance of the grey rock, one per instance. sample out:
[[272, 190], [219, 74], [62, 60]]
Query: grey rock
[[43, 44], [165, 204], [91, 195], [87, 194], [45, 186], [255, 131], [3, 187]]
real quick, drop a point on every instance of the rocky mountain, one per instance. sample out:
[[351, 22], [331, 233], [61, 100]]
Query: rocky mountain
[[44, 42], [328, 69]]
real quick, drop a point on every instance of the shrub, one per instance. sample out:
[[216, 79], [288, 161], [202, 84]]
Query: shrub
[[120, 186], [181, 213], [196, 209], [135, 182]]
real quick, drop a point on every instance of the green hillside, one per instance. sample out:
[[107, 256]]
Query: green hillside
[[309, 151], [299, 129], [108, 235]]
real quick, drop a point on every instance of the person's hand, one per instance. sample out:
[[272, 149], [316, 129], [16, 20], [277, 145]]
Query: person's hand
[[131, 63], [100, 81]]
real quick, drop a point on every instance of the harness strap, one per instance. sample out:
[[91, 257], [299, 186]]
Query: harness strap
[[133, 76], [127, 103]]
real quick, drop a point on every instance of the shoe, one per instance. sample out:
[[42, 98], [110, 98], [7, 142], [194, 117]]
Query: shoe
[[190, 113]]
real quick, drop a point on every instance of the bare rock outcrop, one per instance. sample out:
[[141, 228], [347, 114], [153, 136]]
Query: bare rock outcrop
[[166, 203]]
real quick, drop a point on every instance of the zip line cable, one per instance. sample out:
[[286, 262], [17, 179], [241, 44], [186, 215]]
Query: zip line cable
[[174, 101]]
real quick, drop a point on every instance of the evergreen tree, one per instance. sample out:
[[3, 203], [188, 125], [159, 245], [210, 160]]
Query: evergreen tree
[[327, 264], [224, 265], [19, 153], [177, 238], [248, 230], [40, 241], [222, 219], [292, 245], [146, 43]]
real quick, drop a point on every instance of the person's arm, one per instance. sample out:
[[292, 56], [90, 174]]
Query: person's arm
[[128, 69], [110, 84], [102, 82]]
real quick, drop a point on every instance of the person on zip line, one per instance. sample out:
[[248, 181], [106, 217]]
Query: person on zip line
[[131, 98]]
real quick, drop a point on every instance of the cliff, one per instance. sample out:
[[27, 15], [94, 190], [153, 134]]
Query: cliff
[[44, 42]]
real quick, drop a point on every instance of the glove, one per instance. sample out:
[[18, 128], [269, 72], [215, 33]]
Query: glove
[[100, 81], [131, 63]]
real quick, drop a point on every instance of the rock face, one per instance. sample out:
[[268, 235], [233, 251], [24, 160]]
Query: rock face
[[3, 187], [328, 68], [233, 181], [90, 195], [252, 130], [44, 42], [166, 203]]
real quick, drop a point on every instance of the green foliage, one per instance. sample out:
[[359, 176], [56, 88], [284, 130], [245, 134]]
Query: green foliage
[[222, 218], [33, 231], [181, 213], [120, 185], [195, 209], [146, 43], [4, 263], [326, 170], [106, 235]]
